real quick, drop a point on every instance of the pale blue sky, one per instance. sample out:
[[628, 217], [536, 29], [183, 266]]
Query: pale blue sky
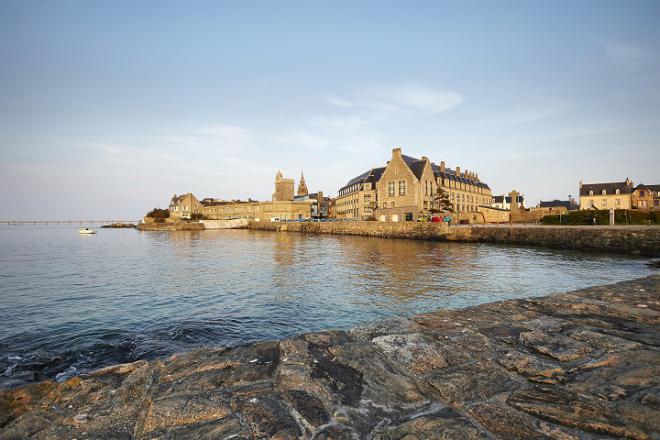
[[118, 105]]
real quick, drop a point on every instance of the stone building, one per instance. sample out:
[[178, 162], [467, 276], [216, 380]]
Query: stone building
[[646, 197], [283, 188], [183, 206], [406, 187], [357, 199], [617, 195], [504, 201], [302, 186], [466, 191]]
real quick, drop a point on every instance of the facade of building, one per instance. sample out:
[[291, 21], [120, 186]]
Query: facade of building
[[357, 199], [504, 201], [320, 204], [466, 191], [617, 195], [646, 197], [183, 206], [406, 188], [568, 205], [283, 188]]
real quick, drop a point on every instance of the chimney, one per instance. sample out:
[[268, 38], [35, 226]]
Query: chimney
[[580, 183], [442, 166], [458, 171], [396, 152]]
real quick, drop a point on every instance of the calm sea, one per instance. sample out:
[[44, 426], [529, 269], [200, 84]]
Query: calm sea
[[71, 303]]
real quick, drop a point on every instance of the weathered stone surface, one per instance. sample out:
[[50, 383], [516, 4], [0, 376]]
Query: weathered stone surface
[[583, 365]]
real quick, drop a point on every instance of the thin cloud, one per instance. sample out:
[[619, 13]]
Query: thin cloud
[[626, 56]]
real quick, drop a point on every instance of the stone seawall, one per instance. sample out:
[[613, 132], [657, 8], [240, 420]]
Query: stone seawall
[[634, 240], [171, 226], [641, 240], [414, 230], [581, 365]]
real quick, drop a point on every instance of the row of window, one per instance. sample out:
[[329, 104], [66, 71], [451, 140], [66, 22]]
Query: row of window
[[603, 202], [604, 192], [391, 188]]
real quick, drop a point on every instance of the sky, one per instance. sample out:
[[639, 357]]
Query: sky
[[107, 109]]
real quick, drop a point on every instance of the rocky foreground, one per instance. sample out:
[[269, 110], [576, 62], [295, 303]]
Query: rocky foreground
[[580, 365]]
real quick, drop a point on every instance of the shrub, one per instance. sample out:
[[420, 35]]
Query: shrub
[[197, 216], [158, 213], [621, 217]]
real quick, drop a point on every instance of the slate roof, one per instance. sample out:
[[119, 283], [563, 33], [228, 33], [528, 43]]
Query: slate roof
[[450, 174], [609, 187], [654, 188], [371, 176], [565, 203], [500, 199]]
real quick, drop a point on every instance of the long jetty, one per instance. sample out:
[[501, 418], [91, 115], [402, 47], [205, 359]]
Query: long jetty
[[65, 222]]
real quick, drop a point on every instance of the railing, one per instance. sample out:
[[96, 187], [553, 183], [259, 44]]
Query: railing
[[65, 222]]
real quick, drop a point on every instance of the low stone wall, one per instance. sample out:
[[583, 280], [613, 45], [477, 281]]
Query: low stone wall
[[633, 240], [171, 226], [580, 365], [239, 223], [414, 230], [623, 240]]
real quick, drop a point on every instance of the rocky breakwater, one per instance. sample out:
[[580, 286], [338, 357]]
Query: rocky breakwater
[[581, 365]]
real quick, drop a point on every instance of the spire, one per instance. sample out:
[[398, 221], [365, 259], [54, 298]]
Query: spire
[[302, 186]]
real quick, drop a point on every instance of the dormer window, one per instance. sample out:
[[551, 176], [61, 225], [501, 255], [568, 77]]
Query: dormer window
[[603, 192], [591, 192], [618, 191]]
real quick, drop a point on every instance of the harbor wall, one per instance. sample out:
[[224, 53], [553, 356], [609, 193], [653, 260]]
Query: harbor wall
[[633, 240]]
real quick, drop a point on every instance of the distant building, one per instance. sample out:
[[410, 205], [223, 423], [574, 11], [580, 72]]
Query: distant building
[[183, 206], [504, 201], [302, 186], [357, 199], [320, 205], [607, 195], [406, 188], [646, 197], [283, 188], [569, 205]]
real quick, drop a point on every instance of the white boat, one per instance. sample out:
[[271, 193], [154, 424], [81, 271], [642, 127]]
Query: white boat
[[87, 231]]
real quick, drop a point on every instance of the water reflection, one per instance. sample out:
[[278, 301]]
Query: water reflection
[[124, 295]]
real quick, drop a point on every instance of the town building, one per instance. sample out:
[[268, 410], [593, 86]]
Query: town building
[[357, 199], [568, 205], [617, 195], [646, 197], [466, 192], [406, 188], [302, 186], [182, 207], [504, 201], [283, 188]]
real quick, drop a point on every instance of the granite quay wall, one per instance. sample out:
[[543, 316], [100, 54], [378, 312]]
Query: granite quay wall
[[582, 365], [633, 240], [643, 240], [414, 230], [171, 226]]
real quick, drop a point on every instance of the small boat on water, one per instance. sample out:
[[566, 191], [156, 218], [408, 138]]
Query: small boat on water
[[87, 231]]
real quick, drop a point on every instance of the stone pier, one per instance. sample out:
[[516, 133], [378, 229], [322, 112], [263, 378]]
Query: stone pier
[[579, 365]]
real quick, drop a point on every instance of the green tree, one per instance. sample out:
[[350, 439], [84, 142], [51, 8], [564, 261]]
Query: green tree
[[158, 213], [440, 202]]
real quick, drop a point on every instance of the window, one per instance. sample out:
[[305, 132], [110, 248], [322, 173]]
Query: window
[[402, 187], [603, 192], [392, 204], [617, 202], [591, 192], [390, 189], [603, 202], [656, 203], [642, 193], [618, 191]]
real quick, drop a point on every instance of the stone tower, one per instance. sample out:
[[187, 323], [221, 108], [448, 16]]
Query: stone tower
[[283, 188], [302, 186]]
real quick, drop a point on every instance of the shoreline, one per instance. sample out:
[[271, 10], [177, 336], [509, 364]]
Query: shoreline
[[581, 364]]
